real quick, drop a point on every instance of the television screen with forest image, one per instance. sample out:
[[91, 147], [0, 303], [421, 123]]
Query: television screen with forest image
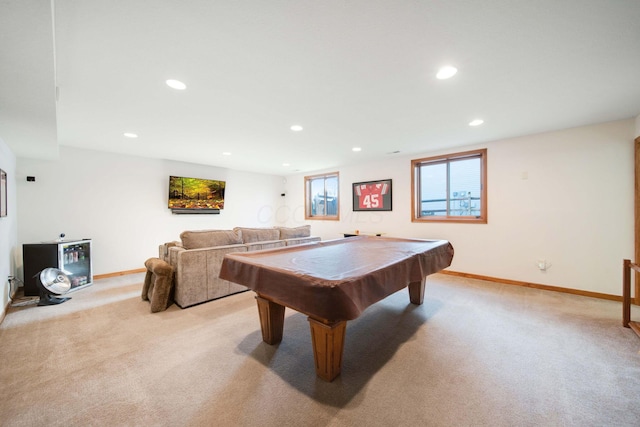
[[195, 195]]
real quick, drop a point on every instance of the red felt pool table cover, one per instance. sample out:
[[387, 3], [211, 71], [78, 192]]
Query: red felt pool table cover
[[337, 279]]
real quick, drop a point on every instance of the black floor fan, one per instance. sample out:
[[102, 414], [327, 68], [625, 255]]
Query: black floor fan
[[53, 281]]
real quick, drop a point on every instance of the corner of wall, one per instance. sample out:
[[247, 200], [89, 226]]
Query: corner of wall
[[8, 228]]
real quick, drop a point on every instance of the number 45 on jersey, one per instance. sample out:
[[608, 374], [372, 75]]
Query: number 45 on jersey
[[370, 196]]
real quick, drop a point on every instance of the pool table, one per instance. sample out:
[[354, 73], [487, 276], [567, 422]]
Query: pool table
[[332, 282]]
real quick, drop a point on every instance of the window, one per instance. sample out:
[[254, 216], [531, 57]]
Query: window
[[321, 195], [450, 188]]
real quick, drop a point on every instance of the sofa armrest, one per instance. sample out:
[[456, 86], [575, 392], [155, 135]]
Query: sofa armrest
[[267, 244], [301, 240], [172, 255], [175, 252], [163, 249], [197, 271]]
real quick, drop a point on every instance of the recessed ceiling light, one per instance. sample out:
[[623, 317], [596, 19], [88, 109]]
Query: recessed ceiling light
[[226, 153], [476, 122], [130, 135], [356, 149], [176, 84], [286, 164], [296, 128], [446, 72]]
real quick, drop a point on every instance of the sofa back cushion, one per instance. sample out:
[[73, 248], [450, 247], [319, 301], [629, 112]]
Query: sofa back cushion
[[251, 235], [209, 238], [292, 233]]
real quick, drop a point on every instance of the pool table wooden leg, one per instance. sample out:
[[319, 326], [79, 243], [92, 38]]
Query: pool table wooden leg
[[271, 320], [416, 291], [328, 345]]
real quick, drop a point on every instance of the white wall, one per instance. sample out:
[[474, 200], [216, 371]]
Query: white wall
[[574, 208], [121, 203], [8, 227]]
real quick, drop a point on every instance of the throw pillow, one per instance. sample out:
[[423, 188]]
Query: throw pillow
[[209, 238], [251, 235], [292, 233]]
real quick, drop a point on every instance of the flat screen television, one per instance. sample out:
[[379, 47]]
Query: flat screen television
[[195, 195]]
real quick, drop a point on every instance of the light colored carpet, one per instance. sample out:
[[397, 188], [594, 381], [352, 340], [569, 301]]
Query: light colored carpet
[[475, 353]]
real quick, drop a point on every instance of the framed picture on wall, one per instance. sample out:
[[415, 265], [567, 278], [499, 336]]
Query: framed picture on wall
[[372, 195], [3, 193]]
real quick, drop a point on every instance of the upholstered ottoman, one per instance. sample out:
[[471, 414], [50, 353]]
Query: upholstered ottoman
[[158, 284]]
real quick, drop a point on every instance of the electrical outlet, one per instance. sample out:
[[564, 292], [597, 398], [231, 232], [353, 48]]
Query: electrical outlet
[[543, 264]]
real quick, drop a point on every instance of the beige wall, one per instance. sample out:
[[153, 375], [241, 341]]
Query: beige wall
[[565, 196]]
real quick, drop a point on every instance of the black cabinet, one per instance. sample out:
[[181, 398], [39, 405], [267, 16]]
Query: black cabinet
[[71, 256]]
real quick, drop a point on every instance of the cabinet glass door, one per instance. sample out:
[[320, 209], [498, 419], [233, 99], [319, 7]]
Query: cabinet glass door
[[75, 259]]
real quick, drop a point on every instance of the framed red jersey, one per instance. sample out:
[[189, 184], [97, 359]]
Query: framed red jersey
[[372, 195]]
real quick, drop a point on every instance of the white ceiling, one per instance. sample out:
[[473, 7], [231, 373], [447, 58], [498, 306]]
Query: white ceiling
[[351, 72]]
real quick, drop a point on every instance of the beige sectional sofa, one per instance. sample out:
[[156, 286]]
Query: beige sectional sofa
[[197, 258]]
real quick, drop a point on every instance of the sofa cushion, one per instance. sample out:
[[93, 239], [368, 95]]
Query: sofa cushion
[[265, 244], [250, 235], [209, 238], [301, 240], [292, 233]]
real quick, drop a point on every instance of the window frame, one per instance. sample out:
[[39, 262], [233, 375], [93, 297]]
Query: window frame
[[447, 158], [308, 202]]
